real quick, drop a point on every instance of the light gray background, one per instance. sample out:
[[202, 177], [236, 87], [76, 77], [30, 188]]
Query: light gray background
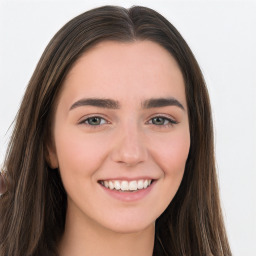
[[222, 35]]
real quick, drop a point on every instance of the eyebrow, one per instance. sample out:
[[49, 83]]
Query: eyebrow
[[161, 102], [101, 103], [112, 104]]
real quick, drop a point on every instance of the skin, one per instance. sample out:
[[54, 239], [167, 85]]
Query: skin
[[127, 143]]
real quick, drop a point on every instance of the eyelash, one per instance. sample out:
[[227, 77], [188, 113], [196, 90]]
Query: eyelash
[[83, 122], [170, 121]]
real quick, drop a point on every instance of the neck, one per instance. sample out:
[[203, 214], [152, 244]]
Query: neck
[[83, 238]]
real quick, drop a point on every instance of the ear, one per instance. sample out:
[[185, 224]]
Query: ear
[[51, 156]]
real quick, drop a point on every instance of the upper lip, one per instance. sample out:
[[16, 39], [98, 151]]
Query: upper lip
[[128, 178]]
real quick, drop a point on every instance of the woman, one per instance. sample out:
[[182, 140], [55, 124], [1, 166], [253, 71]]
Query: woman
[[112, 151]]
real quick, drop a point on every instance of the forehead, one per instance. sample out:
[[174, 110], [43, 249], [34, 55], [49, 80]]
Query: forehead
[[139, 69]]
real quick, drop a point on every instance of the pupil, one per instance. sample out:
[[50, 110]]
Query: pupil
[[94, 120], [158, 120]]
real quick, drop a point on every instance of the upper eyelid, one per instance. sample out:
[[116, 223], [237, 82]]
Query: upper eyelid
[[171, 119], [168, 117], [164, 117], [84, 118]]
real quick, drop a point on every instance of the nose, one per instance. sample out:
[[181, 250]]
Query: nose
[[129, 147]]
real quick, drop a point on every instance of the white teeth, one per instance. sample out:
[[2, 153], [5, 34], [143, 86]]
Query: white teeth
[[133, 185], [105, 184], [117, 184], [124, 185], [111, 185], [145, 184], [140, 184]]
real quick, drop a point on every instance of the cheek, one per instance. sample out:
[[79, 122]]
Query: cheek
[[171, 153], [177, 154], [81, 153]]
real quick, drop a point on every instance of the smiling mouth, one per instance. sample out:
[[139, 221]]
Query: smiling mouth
[[126, 186]]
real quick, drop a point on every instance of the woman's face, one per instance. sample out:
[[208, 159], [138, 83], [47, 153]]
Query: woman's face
[[121, 135]]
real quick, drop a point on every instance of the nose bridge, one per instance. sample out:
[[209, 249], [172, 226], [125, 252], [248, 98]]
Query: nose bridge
[[130, 147]]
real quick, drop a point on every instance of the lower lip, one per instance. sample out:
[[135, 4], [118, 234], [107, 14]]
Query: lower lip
[[129, 196]]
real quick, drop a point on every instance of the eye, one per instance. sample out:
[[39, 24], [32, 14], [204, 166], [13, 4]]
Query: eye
[[162, 121], [94, 121]]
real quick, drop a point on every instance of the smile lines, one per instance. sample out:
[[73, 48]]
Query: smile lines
[[124, 185]]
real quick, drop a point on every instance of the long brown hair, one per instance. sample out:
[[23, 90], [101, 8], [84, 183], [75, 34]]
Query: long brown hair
[[32, 212]]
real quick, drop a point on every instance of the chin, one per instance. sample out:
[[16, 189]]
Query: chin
[[127, 224], [127, 228]]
